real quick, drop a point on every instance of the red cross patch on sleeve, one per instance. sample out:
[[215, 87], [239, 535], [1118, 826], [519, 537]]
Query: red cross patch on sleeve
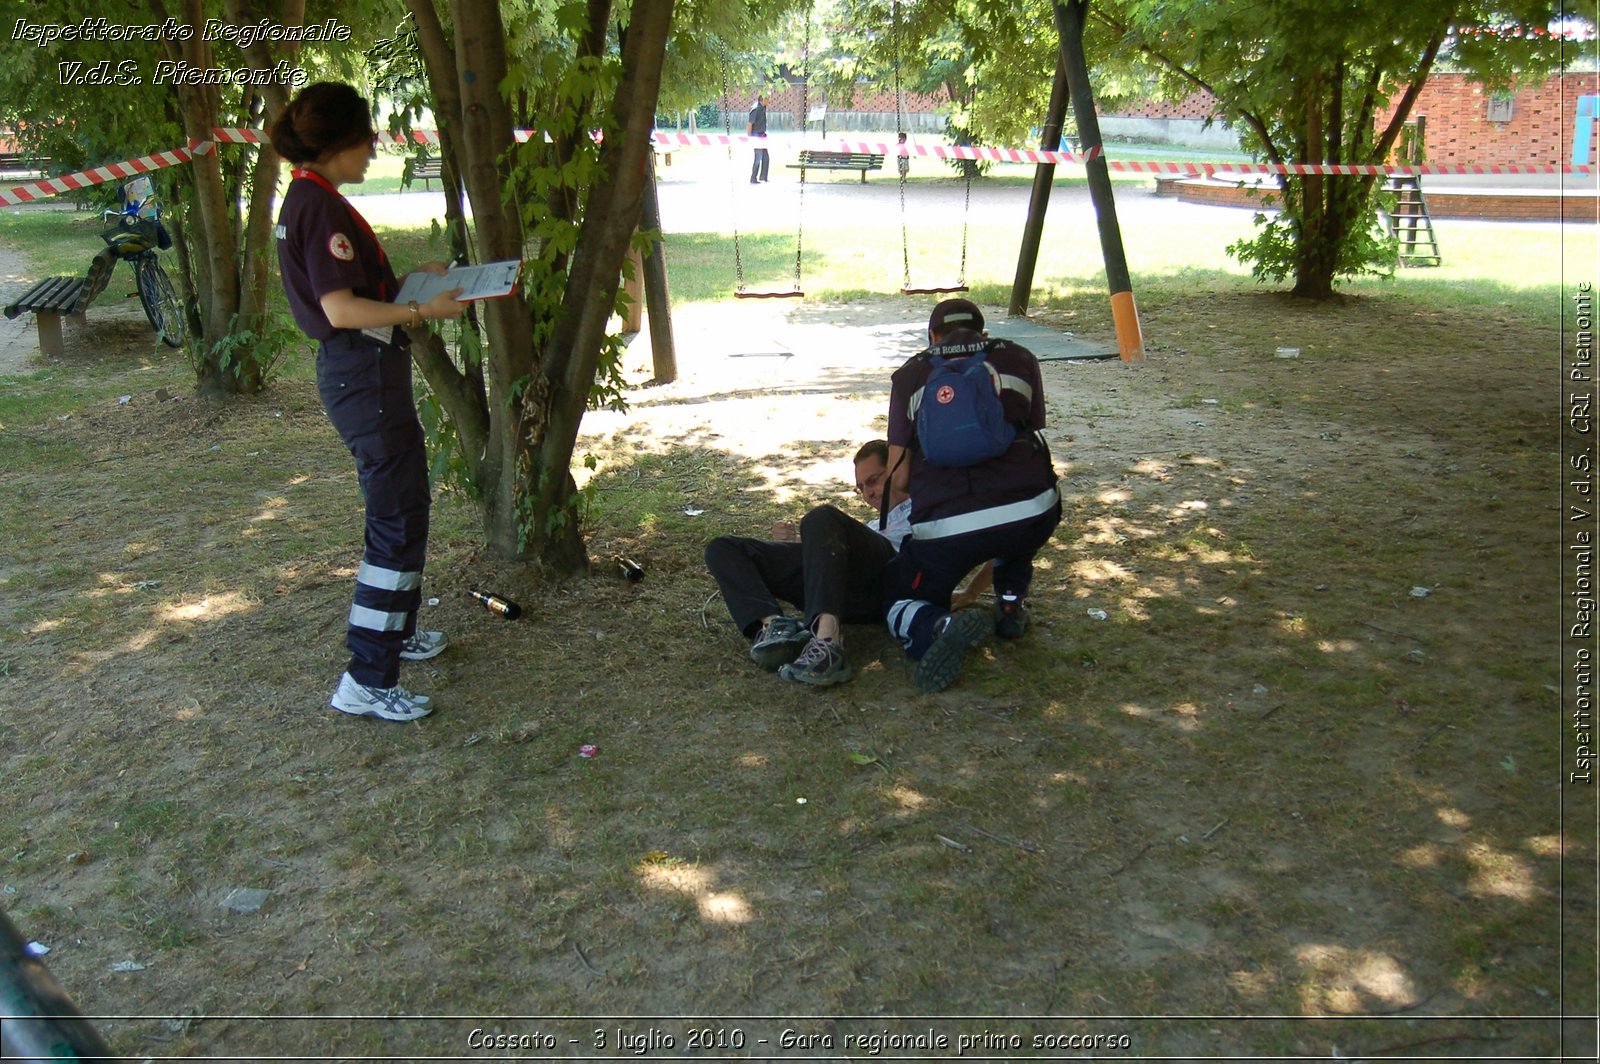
[[340, 247]]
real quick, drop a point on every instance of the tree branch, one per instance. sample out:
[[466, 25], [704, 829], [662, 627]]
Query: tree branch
[[1251, 119], [461, 392], [260, 55], [564, 142], [439, 65], [1409, 99], [597, 260]]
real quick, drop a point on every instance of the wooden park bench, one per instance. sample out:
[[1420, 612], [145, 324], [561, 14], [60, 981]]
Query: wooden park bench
[[56, 297], [838, 160], [16, 162], [50, 300], [428, 168]]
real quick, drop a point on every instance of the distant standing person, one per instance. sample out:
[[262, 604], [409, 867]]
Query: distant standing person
[[902, 162], [340, 288], [757, 127]]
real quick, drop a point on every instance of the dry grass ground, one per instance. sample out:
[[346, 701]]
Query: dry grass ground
[[1277, 802]]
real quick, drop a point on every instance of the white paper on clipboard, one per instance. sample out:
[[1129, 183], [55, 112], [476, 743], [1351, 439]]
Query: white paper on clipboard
[[488, 280]]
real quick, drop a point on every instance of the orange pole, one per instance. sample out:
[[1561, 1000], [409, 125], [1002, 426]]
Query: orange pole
[[1125, 316]]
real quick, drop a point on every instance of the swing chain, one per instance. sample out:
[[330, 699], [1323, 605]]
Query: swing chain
[[727, 128], [899, 128], [966, 217], [805, 112]]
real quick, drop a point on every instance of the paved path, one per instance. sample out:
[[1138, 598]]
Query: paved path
[[115, 320], [699, 197], [18, 339], [704, 192]]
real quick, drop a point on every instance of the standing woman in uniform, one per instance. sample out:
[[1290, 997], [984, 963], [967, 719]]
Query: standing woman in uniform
[[340, 289]]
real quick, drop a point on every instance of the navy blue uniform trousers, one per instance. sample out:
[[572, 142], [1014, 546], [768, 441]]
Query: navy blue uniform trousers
[[838, 567], [928, 570], [366, 390]]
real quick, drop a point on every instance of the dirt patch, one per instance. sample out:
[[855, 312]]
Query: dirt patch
[[1275, 746], [115, 322]]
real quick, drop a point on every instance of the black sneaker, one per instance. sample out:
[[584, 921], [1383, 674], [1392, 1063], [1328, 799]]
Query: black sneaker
[[779, 643], [1010, 617], [941, 665], [822, 665]]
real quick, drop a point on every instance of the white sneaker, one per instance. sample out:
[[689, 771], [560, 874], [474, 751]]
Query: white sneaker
[[389, 703], [423, 645]]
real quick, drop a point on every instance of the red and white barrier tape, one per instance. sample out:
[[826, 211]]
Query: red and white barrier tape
[[934, 151], [416, 136], [1028, 155], [159, 160], [1345, 169], [97, 175]]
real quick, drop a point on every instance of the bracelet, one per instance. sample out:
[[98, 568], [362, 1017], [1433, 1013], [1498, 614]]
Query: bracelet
[[416, 315]]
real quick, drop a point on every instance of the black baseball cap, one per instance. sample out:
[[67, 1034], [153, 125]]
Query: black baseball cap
[[955, 314]]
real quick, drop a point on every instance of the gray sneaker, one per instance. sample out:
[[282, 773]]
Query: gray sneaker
[[387, 703], [779, 643], [423, 645], [822, 665], [941, 665]]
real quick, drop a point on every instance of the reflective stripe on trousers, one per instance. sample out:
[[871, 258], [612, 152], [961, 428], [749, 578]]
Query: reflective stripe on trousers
[[366, 391]]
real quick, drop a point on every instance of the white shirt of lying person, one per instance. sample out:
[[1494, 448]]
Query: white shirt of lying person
[[897, 525]]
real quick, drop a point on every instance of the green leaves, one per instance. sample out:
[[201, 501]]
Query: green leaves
[[1307, 81]]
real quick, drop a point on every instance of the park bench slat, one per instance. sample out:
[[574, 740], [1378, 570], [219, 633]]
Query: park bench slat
[[60, 295], [13, 162], [50, 300], [838, 160], [428, 168]]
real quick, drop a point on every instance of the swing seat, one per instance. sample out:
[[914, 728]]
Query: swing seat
[[793, 293], [910, 291]]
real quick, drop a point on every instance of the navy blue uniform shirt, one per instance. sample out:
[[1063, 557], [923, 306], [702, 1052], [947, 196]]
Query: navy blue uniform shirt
[[325, 246], [1021, 473]]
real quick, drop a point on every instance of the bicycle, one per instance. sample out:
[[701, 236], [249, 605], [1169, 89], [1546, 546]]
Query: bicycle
[[136, 239]]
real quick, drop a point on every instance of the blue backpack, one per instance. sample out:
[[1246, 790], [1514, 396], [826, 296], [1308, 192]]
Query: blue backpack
[[959, 419]]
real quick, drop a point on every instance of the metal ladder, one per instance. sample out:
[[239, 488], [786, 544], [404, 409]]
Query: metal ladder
[[1410, 223]]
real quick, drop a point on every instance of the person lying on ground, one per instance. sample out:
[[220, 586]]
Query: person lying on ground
[[830, 566]]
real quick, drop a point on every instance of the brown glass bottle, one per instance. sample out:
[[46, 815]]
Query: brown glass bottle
[[495, 604]]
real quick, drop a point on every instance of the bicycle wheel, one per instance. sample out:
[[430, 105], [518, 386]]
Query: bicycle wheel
[[161, 303]]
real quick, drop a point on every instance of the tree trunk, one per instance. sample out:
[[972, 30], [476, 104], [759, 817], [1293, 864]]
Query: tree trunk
[[1330, 208], [255, 263], [486, 138], [516, 413], [216, 266], [611, 214], [226, 257], [462, 392], [657, 296], [1328, 222], [1039, 198]]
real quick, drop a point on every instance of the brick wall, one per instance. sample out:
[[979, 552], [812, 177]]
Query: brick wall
[[1196, 105], [1525, 206], [1539, 132], [786, 100]]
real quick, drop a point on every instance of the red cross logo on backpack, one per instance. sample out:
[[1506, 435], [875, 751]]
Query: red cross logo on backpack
[[945, 394]]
